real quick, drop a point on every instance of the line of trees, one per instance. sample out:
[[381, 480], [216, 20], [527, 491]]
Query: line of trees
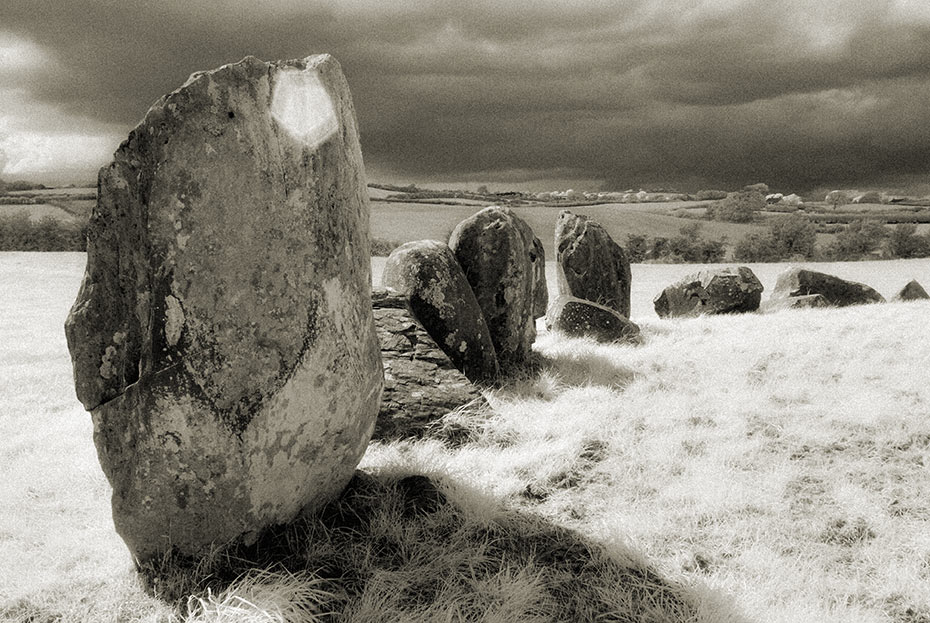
[[18, 232], [795, 237]]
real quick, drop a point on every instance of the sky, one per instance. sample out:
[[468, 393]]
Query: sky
[[603, 95]]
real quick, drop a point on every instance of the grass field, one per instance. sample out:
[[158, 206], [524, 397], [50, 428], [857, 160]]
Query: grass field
[[747, 468]]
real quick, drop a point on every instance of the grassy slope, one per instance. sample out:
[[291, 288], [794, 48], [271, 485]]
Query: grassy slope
[[777, 465]]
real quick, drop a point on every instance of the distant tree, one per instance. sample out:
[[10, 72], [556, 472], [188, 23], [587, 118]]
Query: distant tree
[[483, 190], [738, 207], [636, 247], [860, 239], [793, 236], [837, 198], [905, 242], [706, 195]]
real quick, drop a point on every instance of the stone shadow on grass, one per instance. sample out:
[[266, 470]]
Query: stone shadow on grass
[[398, 548]]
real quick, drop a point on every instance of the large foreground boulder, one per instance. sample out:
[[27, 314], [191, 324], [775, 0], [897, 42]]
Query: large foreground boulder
[[717, 291], [912, 291], [839, 292], [440, 298], [579, 318], [223, 337], [590, 265], [502, 261], [420, 382]]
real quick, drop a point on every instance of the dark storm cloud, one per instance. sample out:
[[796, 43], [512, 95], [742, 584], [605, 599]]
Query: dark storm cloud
[[634, 93]]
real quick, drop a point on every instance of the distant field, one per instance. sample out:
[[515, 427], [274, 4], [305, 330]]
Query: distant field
[[37, 211], [403, 222]]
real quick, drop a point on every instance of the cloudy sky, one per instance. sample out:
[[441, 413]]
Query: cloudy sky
[[603, 94]]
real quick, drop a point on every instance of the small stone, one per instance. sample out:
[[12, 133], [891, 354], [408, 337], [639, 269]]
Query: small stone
[[717, 291], [590, 265], [440, 298], [839, 292], [579, 318], [913, 291]]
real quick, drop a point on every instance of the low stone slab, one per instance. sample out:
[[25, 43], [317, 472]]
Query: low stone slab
[[579, 318], [718, 291], [913, 291], [839, 292], [420, 382], [794, 302], [441, 299]]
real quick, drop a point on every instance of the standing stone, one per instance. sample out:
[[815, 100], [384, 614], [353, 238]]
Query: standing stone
[[420, 382], [912, 291], [718, 291], [801, 282], [425, 271], [580, 318], [590, 265], [223, 338], [502, 262]]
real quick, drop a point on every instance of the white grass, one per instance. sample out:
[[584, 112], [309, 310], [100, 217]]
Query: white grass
[[777, 465]]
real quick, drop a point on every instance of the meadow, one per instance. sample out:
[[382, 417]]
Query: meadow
[[736, 468]]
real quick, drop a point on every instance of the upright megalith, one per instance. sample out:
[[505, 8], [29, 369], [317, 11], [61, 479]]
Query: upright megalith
[[912, 291], [503, 262], [439, 297], [590, 265], [223, 336]]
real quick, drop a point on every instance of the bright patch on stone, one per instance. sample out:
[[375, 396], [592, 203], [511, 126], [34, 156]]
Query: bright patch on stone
[[302, 106]]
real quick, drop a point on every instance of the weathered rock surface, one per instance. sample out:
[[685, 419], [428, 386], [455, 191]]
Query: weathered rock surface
[[223, 337], [501, 260], [590, 265], [718, 291], [838, 292], [913, 291], [579, 318], [794, 302], [540, 287], [420, 382], [440, 298]]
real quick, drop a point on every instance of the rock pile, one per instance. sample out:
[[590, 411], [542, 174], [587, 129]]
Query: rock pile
[[420, 382], [427, 274], [223, 337], [479, 297]]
